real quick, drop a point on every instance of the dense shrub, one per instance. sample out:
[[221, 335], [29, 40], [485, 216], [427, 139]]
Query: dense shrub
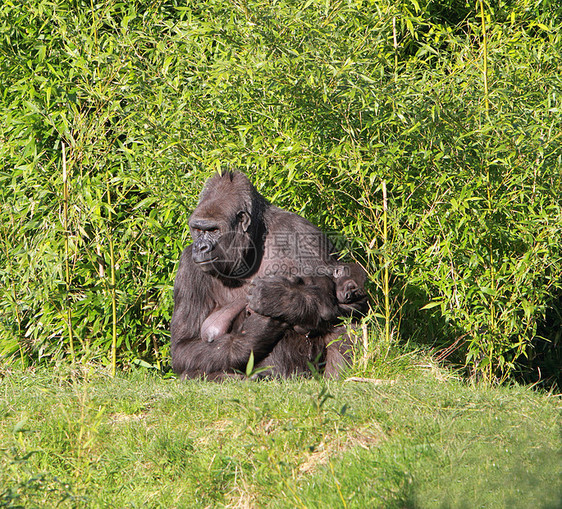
[[320, 103]]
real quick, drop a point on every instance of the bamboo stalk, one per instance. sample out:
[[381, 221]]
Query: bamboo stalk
[[112, 288], [386, 263], [156, 351], [395, 41], [66, 250], [488, 373], [365, 337], [492, 280], [14, 291], [485, 51]]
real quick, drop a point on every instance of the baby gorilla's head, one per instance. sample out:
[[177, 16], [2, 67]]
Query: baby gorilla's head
[[350, 282]]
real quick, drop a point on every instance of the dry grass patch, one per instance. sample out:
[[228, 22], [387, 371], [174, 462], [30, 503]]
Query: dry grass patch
[[242, 496], [335, 445]]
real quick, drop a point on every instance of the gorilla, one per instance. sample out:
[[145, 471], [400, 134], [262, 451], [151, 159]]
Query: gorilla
[[262, 280], [350, 282]]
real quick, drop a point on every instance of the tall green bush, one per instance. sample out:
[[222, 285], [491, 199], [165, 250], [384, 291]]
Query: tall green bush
[[320, 103]]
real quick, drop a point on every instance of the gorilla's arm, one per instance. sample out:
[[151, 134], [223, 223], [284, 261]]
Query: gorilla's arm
[[191, 356], [230, 352], [308, 303]]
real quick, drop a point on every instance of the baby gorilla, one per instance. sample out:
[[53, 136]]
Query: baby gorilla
[[350, 287], [347, 284]]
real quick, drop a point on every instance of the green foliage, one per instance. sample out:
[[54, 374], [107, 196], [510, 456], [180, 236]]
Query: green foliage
[[320, 103]]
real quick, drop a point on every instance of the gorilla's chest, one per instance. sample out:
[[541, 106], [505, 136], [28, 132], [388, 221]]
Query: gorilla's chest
[[225, 294]]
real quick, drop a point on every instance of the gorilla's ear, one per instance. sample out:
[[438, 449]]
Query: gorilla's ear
[[244, 219], [339, 271]]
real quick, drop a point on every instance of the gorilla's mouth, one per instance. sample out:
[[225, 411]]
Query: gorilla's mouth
[[206, 262]]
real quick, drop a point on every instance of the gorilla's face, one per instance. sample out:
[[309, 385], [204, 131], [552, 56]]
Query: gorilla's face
[[350, 281], [222, 245]]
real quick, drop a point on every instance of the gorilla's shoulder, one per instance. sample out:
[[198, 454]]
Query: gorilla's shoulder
[[186, 258], [278, 219]]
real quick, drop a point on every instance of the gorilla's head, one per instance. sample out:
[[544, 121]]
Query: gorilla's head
[[350, 283], [227, 226]]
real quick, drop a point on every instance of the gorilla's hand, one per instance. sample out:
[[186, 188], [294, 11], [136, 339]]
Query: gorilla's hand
[[308, 305], [275, 296]]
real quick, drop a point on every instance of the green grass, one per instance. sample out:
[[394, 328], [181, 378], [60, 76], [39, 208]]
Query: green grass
[[84, 439]]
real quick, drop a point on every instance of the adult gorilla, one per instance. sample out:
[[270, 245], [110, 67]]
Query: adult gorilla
[[266, 270]]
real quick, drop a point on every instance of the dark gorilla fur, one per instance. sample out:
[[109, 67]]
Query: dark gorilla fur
[[347, 281], [350, 288], [256, 279]]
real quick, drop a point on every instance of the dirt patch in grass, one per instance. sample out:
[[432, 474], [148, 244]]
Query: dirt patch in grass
[[334, 445]]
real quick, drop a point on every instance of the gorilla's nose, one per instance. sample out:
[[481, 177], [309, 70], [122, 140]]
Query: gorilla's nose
[[205, 247]]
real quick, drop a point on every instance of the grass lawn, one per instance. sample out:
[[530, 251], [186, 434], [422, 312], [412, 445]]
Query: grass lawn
[[84, 439]]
